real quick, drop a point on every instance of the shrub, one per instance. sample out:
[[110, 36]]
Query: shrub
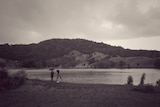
[[10, 82], [130, 80], [5, 79], [142, 79], [158, 82], [20, 77], [148, 88], [121, 64]]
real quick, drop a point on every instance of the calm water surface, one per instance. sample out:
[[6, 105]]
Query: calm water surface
[[98, 76]]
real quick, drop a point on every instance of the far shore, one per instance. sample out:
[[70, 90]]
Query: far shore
[[40, 93], [86, 68]]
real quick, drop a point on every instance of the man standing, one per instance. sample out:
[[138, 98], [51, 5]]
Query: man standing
[[52, 73]]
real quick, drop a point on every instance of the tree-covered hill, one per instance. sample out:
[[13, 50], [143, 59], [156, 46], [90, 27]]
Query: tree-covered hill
[[56, 48]]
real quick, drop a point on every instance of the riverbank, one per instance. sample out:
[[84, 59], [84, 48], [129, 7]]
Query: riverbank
[[38, 93]]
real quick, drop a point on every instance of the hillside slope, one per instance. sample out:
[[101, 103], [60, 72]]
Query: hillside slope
[[70, 53]]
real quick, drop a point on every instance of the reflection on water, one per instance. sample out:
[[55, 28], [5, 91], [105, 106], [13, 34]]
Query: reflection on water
[[100, 76]]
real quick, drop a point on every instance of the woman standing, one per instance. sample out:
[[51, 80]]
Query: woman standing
[[58, 76]]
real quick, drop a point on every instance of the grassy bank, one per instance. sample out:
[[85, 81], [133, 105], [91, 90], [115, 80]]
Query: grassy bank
[[37, 93]]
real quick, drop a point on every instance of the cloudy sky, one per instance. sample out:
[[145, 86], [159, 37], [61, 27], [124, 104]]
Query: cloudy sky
[[133, 24]]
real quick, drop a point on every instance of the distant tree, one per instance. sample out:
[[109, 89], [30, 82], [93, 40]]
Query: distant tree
[[44, 63], [157, 63], [138, 64], [91, 61], [105, 64], [2, 64], [38, 64], [65, 61], [142, 79], [128, 66], [121, 64], [29, 63]]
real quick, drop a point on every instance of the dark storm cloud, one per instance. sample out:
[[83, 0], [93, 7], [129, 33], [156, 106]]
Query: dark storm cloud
[[26, 21]]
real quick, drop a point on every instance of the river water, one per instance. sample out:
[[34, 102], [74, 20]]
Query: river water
[[98, 76]]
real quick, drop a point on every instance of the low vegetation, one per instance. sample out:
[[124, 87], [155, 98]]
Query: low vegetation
[[11, 82], [130, 80], [142, 87], [146, 88], [40, 93]]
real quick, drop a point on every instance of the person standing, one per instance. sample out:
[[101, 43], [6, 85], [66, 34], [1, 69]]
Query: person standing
[[58, 76], [52, 73]]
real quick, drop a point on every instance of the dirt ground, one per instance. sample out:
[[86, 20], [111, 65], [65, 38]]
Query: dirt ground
[[38, 93]]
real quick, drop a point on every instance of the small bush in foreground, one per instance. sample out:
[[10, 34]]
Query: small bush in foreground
[[130, 80], [10, 82], [20, 77]]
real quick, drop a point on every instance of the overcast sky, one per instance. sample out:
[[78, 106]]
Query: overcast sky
[[133, 24]]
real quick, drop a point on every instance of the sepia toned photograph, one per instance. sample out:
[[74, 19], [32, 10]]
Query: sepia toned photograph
[[79, 53]]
